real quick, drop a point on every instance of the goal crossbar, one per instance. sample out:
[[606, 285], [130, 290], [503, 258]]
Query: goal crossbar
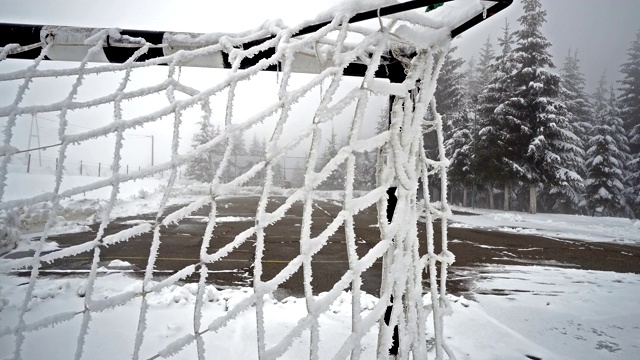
[[119, 48]]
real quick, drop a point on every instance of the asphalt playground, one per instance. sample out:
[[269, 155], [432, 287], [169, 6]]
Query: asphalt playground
[[181, 243]]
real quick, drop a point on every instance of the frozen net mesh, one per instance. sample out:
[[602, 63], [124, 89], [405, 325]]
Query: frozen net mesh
[[402, 163]]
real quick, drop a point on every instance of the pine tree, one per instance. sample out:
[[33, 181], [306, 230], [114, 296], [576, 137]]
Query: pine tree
[[449, 96], [486, 64], [632, 191], [256, 152], [540, 146], [450, 100], [239, 148], [336, 179], [278, 175], [365, 171], [569, 198], [471, 82], [630, 93], [238, 163], [460, 152], [630, 114], [461, 144], [575, 97], [449, 89], [485, 74], [203, 167], [492, 130], [607, 155], [257, 147]]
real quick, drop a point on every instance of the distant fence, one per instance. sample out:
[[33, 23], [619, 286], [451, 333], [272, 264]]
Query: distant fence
[[289, 170], [44, 165], [291, 167]]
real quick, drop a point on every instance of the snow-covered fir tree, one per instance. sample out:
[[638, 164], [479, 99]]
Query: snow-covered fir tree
[[632, 191], [257, 147], [630, 92], [491, 129], [575, 98], [336, 179], [630, 114], [450, 98], [460, 151], [607, 155], [278, 174], [485, 68], [458, 139], [540, 143], [365, 171], [569, 196], [485, 74], [471, 85], [238, 162], [203, 167], [256, 152], [460, 144], [450, 87]]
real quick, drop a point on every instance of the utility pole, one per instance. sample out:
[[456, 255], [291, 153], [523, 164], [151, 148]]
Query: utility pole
[[152, 150], [34, 120]]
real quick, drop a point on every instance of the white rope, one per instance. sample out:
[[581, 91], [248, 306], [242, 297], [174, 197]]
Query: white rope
[[401, 159]]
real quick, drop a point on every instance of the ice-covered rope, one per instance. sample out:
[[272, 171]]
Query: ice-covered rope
[[402, 159]]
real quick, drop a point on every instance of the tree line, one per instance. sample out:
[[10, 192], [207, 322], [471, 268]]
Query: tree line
[[203, 167], [520, 135]]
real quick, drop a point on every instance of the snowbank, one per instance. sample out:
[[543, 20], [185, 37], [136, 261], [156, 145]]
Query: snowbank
[[577, 227], [548, 313]]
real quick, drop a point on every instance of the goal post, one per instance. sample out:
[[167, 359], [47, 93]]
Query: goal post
[[398, 55]]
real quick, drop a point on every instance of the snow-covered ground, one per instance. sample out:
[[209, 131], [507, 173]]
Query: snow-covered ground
[[577, 227], [546, 313], [512, 312], [141, 196]]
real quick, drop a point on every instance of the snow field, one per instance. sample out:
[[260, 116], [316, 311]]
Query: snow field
[[550, 313], [114, 329], [170, 318], [563, 226], [571, 314]]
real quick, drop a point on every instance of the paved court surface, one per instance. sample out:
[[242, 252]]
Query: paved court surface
[[181, 245]]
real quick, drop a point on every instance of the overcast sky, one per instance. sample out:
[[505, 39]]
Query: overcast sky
[[602, 30]]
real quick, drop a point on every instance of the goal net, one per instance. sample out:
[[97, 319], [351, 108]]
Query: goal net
[[137, 91]]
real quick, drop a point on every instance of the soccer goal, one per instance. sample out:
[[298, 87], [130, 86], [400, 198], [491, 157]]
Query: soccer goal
[[353, 56]]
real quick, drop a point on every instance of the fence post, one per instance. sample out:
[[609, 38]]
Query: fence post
[[80, 167], [28, 162], [99, 168], [127, 169]]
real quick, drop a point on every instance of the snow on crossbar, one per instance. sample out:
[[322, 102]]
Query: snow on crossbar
[[411, 43]]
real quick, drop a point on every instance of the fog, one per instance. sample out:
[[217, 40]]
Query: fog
[[601, 31]]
